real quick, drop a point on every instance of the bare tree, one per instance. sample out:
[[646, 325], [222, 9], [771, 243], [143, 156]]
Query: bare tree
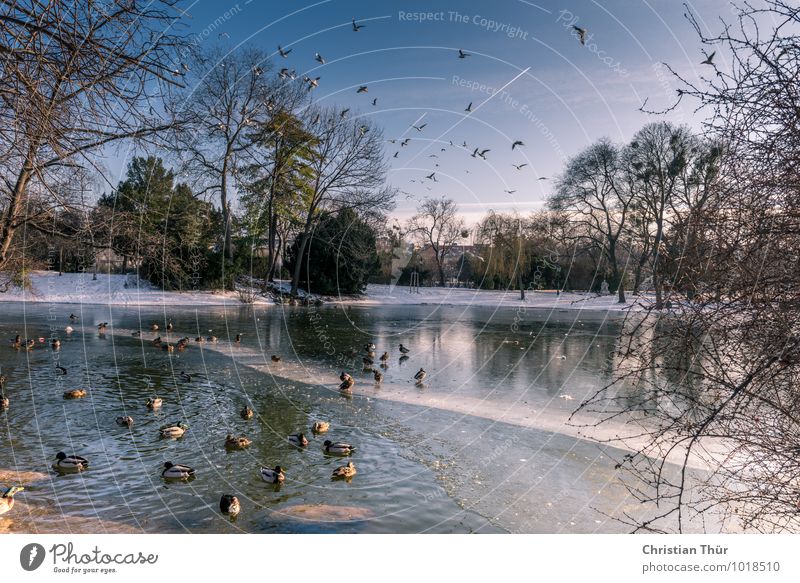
[[594, 192], [76, 77], [228, 95], [346, 169], [713, 385], [438, 225]]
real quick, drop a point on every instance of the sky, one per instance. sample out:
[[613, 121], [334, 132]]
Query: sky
[[527, 76]]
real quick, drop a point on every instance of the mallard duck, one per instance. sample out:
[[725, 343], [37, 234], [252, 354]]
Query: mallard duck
[[69, 329], [275, 358], [177, 471], [420, 376], [125, 420], [298, 439], [154, 403], [73, 318], [236, 442], [4, 402], [72, 463], [344, 472], [246, 413], [320, 427], [369, 347], [55, 344], [75, 394], [378, 376], [17, 342], [384, 357], [154, 327], [344, 376], [101, 327], [173, 431], [30, 344], [229, 504], [200, 339], [338, 448], [347, 384], [170, 327], [274, 476], [404, 350], [7, 500], [168, 348]]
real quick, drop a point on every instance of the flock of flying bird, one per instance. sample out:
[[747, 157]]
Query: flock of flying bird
[[229, 503]]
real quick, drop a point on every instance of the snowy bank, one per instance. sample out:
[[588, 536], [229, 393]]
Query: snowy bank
[[399, 295], [81, 288]]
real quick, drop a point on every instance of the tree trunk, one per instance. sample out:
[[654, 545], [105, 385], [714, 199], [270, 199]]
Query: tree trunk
[[521, 286], [301, 248], [14, 209]]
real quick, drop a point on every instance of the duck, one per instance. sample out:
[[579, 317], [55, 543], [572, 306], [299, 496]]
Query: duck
[[69, 329], [275, 358], [55, 344], [200, 339], [101, 327], [368, 362], [229, 504], [61, 370], [274, 476], [378, 376], [320, 427], [298, 439], [420, 376], [168, 348], [75, 394], [154, 403], [30, 344], [384, 357], [7, 499], [173, 431], [136, 333], [212, 339], [347, 384], [5, 403], [3, 380], [236, 442], [125, 420], [344, 472], [238, 338], [369, 347], [17, 342], [73, 318], [344, 376], [246, 413], [177, 471], [404, 350], [338, 448], [74, 463], [170, 327], [154, 327]]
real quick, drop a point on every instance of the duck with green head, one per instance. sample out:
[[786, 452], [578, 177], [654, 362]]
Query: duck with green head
[[7, 500]]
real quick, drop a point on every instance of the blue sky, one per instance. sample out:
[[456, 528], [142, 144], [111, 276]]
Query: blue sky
[[559, 96]]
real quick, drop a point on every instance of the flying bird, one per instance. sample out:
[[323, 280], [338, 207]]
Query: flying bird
[[405, 142], [581, 33], [375, 101], [520, 167], [482, 153], [283, 53], [357, 27], [509, 191], [543, 178], [419, 128], [362, 89], [517, 143], [469, 107], [463, 55], [344, 112], [432, 176], [319, 58], [709, 59]]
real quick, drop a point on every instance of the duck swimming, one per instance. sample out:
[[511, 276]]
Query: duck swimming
[[74, 463], [7, 499], [338, 448], [56, 343], [298, 439], [154, 403], [344, 472], [234, 442], [246, 413], [229, 504], [177, 471], [173, 431], [75, 394], [5, 403], [125, 420], [274, 476], [321, 427]]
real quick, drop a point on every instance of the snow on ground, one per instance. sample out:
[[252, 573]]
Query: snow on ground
[[384, 294], [127, 290], [80, 288]]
